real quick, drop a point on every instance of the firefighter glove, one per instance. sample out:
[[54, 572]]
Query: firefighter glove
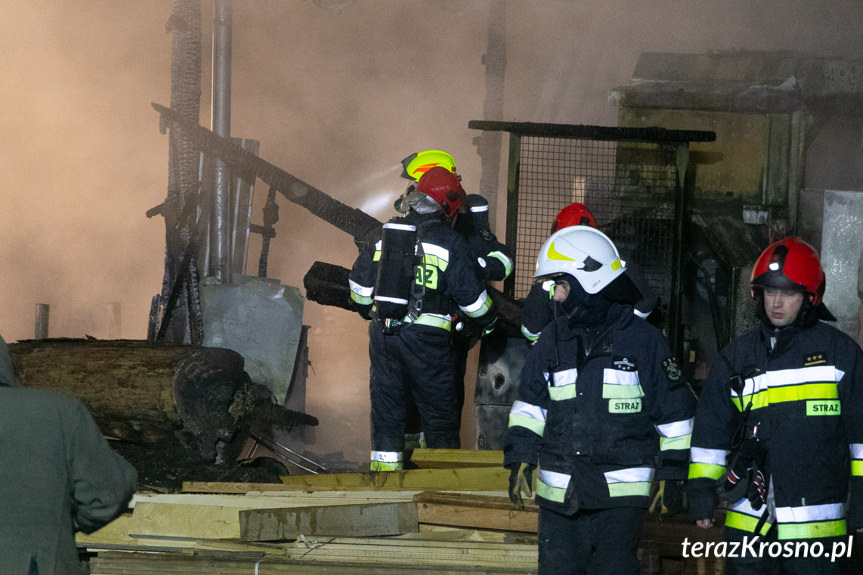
[[668, 498], [520, 483]]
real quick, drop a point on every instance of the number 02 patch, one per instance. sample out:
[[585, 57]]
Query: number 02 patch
[[426, 276]]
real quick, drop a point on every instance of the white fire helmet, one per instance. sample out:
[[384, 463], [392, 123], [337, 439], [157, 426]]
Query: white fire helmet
[[585, 253]]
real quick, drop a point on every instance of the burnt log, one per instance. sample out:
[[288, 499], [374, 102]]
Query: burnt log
[[163, 397]]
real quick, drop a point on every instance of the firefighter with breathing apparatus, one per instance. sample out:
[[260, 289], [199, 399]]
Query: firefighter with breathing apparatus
[[405, 281]]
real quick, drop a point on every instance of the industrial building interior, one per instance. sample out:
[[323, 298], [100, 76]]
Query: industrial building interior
[[186, 187]]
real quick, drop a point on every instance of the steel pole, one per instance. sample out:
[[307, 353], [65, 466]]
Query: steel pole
[[220, 214]]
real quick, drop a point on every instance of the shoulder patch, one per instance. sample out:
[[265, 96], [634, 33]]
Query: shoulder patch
[[623, 363], [672, 370], [814, 359]]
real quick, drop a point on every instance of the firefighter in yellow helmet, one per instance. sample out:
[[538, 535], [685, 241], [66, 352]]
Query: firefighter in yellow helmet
[[406, 280]]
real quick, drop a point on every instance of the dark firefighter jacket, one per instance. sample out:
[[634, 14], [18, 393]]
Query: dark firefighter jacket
[[445, 273], [597, 421], [496, 262], [807, 403]]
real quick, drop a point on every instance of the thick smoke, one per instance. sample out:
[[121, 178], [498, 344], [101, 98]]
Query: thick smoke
[[337, 92]]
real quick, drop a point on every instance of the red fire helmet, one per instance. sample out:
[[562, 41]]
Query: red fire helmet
[[444, 187], [573, 215], [790, 264]]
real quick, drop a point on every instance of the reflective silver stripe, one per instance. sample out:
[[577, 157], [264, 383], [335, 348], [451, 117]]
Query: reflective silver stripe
[[360, 290], [552, 485], [387, 456], [675, 435], [641, 314], [403, 227], [529, 410], [825, 512], [391, 299], [361, 294], [617, 384], [744, 507], [437, 251], [478, 307], [710, 456], [634, 481], [856, 450], [629, 475], [561, 384], [529, 334], [619, 377], [479, 209], [675, 428], [783, 377], [553, 478]]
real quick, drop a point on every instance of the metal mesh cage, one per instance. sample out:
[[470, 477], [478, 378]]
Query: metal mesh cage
[[628, 186]]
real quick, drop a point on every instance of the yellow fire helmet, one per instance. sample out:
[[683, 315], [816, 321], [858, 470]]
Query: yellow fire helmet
[[419, 163]]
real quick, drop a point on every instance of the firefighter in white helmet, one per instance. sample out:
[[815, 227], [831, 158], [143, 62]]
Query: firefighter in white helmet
[[601, 396], [406, 279]]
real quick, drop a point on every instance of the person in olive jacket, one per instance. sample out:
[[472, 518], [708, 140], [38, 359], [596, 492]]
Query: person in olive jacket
[[58, 476]]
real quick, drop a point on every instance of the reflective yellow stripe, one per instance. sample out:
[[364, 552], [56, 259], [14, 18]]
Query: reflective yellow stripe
[[562, 393], [745, 522], [627, 489], [362, 300], [787, 393], [857, 468], [612, 391], [478, 308], [432, 321], [546, 491], [705, 470], [669, 443], [529, 334], [503, 259], [518, 420], [384, 466], [435, 261], [810, 530]]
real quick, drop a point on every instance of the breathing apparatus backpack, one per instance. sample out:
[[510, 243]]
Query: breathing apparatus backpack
[[395, 270]]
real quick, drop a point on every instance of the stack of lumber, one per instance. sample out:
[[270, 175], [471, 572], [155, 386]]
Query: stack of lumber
[[449, 518]]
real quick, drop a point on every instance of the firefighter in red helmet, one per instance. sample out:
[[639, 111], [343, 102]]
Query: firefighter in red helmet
[[539, 306], [779, 425], [406, 280]]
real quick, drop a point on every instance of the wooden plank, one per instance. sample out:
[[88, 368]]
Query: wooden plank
[[456, 458], [328, 556], [477, 511], [354, 520], [217, 516], [465, 479]]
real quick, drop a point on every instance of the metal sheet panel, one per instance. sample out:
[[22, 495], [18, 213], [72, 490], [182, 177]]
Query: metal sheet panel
[[841, 249], [262, 320]]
